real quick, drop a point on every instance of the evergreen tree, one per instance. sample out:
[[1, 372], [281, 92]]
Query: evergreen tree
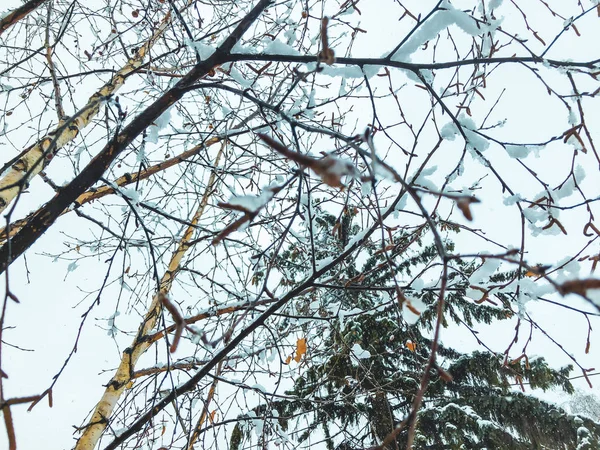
[[361, 380]]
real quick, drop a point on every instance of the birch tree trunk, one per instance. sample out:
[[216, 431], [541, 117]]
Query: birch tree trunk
[[39, 155], [122, 379], [18, 13]]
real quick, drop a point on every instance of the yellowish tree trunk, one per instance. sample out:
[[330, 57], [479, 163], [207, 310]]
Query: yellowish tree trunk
[[18, 13], [39, 154], [123, 377], [206, 409], [124, 180]]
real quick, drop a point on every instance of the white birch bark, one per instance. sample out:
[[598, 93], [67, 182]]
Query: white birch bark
[[123, 377], [39, 154]]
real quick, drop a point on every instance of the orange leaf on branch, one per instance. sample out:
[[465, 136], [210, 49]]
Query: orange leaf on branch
[[537, 270], [300, 349]]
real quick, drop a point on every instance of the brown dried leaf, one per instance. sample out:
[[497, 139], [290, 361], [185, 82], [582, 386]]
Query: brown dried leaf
[[444, 375], [301, 159], [326, 55], [233, 226], [485, 295], [579, 286], [464, 203], [330, 169], [556, 222], [412, 308], [537, 270], [593, 227], [239, 208], [177, 318]]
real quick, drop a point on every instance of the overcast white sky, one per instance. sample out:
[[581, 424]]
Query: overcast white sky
[[53, 298]]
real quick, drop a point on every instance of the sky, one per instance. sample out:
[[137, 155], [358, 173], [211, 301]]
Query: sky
[[54, 292]]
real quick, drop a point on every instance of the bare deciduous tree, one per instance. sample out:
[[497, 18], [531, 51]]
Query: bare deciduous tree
[[282, 204]]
